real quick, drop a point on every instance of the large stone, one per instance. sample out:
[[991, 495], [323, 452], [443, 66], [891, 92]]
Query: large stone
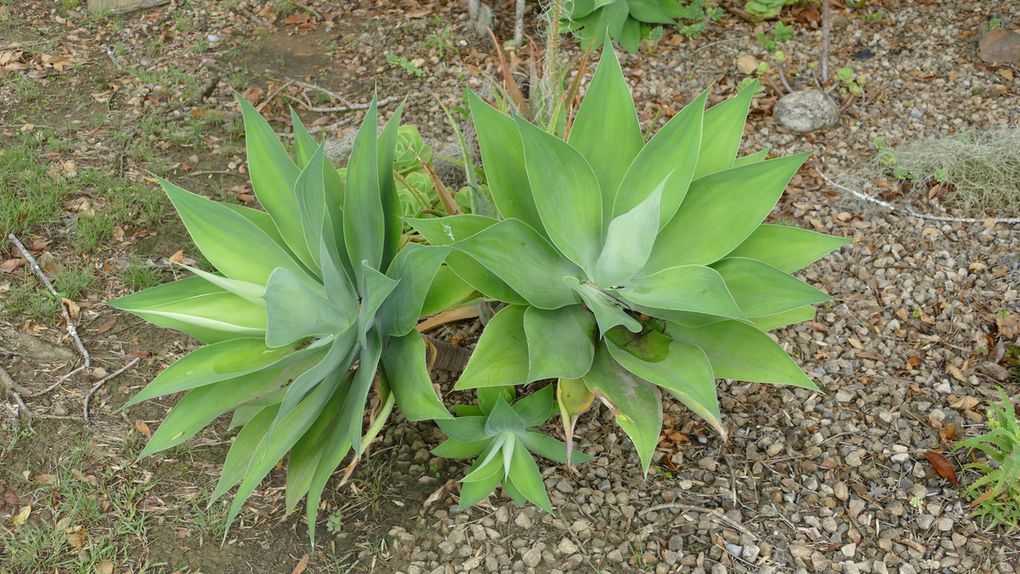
[[1000, 46], [806, 111]]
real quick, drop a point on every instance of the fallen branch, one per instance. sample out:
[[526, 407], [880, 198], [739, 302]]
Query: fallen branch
[[12, 388], [354, 107], [103, 381], [71, 330], [909, 211], [275, 93], [718, 516]]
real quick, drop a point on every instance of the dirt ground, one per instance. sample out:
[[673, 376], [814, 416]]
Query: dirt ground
[[917, 341]]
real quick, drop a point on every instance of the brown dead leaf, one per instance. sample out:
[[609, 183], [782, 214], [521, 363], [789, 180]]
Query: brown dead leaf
[[956, 373], [143, 428], [118, 233], [104, 567], [177, 257], [11, 264], [943, 467], [949, 432], [73, 309], [105, 326], [77, 537], [58, 63], [38, 243], [301, 565], [965, 403]]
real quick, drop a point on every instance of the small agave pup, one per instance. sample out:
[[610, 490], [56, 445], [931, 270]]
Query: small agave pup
[[628, 268], [502, 438], [314, 304]]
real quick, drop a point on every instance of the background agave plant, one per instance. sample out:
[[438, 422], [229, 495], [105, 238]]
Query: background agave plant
[[626, 21], [631, 268], [314, 305]]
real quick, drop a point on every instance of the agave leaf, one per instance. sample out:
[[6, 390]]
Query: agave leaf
[[537, 407], [501, 355], [546, 446], [680, 368], [740, 352], [527, 478], [490, 463], [464, 429], [636, 403], [377, 288], [608, 312], [354, 406], [503, 156], [560, 342], [574, 399], [224, 236], [605, 131], [217, 362], [451, 448], [336, 281], [502, 247], [295, 311], [760, 289], [489, 396], [414, 269], [334, 364], [778, 320], [654, 11], [364, 222], [310, 190], [471, 493], [718, 213], [273, 174], [304, 146], [665, 163], [198, 308], [503, 419], [403, 360], [447, 291], [272, 448], [448, 230], [394, 223], [566, 193], [261, 220], [755, 157], [630, 35], [723, 127], [307, 452], [693, 288], [629, 242], [788, 249], [252, 292], [333, 450], [201, 405], [236, 463]]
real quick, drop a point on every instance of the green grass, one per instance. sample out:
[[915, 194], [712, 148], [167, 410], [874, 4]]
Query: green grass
[[138, 276], [31, 197], [104, 512], [27, 300], [73, 282]]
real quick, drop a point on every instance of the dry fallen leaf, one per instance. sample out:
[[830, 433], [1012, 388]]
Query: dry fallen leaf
[[105, 326], [943, 467], [301, 565], [22, 516], [143, 428], [177, 257], [73, 309], [11, 264], [104, 567]]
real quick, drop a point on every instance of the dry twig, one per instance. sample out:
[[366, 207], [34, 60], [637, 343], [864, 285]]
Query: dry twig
[[909, 211], [71, 330], [103, 381]]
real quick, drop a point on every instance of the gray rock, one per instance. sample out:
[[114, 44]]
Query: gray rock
[[1000, 46], [806, 111], [532, 557]]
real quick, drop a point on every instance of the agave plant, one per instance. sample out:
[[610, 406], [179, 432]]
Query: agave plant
[[314, 304], [628, 268], [502, 438], [626, 21]]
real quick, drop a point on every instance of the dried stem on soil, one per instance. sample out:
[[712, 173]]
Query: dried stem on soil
[[103, 381], [71, 330], [909, 211]]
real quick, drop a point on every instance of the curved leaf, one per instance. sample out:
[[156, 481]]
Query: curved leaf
[[608, 312], [788, 249], [364, 222], [560, 342], [723, 128], [295, 311], [414, 269], [693, 288], [501, 356], [760, 289], [403, 361]]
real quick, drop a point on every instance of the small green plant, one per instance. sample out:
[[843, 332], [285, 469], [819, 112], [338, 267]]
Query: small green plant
[[73, 282], [441, 42], [693, 18], [766, 9], [848, 81], [647, 263], [335, 522], [874, 17], [780, 33], [409, 67], [995, 23], [995, 494], [140, 276], [25, 299], [313, 306], [502, 437]]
